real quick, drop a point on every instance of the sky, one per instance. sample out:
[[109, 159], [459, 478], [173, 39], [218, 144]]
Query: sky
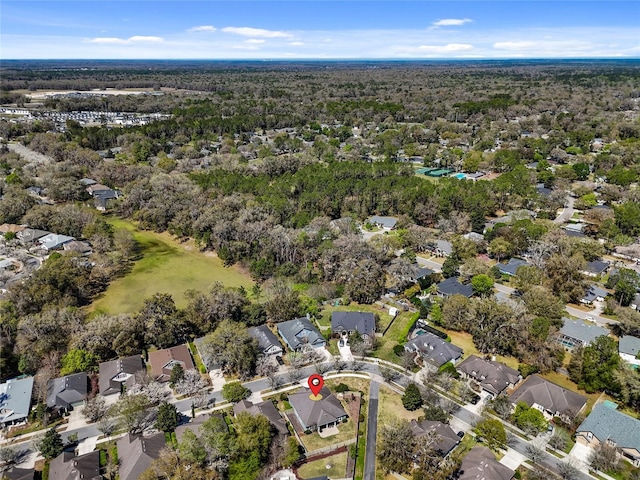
[[364, 29]]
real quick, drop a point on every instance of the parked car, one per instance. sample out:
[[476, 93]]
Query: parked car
[[460, 434], [279, 360]]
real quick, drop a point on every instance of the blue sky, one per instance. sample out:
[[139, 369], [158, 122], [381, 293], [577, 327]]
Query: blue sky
[[157, 29]]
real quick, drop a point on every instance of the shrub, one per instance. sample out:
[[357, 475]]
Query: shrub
[[398, 350], [342, 388]]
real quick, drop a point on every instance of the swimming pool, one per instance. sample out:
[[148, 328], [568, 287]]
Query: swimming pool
[[460, 176]]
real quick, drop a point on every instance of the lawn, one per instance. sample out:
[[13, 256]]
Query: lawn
[[318, 468], [165, 266], [465, 341], [313, 441], [564, 381], [390, 407], [390, 339]]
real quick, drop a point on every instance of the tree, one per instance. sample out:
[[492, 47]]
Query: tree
[[191, 449], [94, 408], [234, 392], [231, 346], [177, 375], [253, 434], [450, 266], [412, 398], [529, 419], [559, 440], [292, 452], [568, 471], [51, 444], [396, 447], [159, 314], [593, 368], [134, 412], [191, 384], [167, 419], [482, 285], [501, 405], [492, 433], [75, 361]]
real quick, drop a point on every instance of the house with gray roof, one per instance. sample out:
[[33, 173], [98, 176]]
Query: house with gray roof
[[268, 409], [15, 400], [67, 392], [347, 323], [195, 424], [481, 464], [595, 268], [205, 355], [452, 286], [629, 349], [15, 473], [30, 235], [300, 333], [492, 377], [68, 466], [267, 341], [386, 223], [443, 248], [136, 452], [594, 293], [579, 333], [446, 438], [512, 266], [317, 414], [433, 349], [551, 399], [607, 425], [119, 374]]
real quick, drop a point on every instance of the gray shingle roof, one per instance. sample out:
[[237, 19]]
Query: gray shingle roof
[[583, 331], [481, 464], [299, 332], [267, 341], [135, 453], [552, 397], [15, 473], [451, 286], [316, 412], [434, 349], [205, 355], [596, 267], [629, 345], [267, 409], [386, 222], [512, 266], [115, 372], [67, 466], [492, 376], [447, 438], [606, 423], [195, 424], [15, 399], [65, 391], [362, 322]]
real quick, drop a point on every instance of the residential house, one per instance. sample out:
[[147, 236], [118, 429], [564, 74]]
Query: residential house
[[386, 223], [267, 341], [195, 424], [481, 464], [15, 473], [446, 437], [267, 409], [443, 248], [511, 267], [300, 333], [102, 194], [317, 414], [452, 286], [492, 377], [433, 349], [209, 362], [607, 425], [30, 235], [136, 452], [68, 466], [15, 400], [596, 268], [11, 228], [116, 375], [474, 237], [67, 392], [551, 399], [83, 248], [629, 349], [347, 323], [87, 182], [594, 294], [635, 304], [579, 333], [163, 361], [53, 241]]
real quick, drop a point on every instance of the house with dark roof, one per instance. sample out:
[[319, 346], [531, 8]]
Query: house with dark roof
[[386, 223], [30, 235], [594, 293], [595, 268], [267, 409], [629, 349], [136, 452], [267, 341], [551, 399], [195, 424], [443, 248], [607, 425], [300, 333], [346, 323], [446, 438], [317, 414], [83, 248], [15, 400], [512, 266], [205, 355], [68, 466], [481, 464], [15, 473], [434, 349], [492, 377], [452, 286], [579, 333], [67, 392], [163, 361], [119, 374]]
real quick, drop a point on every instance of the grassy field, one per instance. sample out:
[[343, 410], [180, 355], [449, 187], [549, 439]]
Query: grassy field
[[390, 407], [465, 341], [319, 467], [165, 266]]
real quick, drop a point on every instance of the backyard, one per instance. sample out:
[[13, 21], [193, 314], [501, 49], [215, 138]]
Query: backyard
[[334, 466], [164, 266]]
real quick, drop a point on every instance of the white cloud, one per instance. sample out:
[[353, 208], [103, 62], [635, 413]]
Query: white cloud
[[256, 32], [255, 41], [296, 44], [524, 45], [449, 48], [203, 28], [451, 22], [125, 41]]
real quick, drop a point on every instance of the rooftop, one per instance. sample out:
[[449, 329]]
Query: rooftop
[[317, 413], [163, 361], [362, 322], [15, 399], [629, 345], [299, 332], [452, 286], [586, 332], [492, 376], [608, 424], [436, 350], [550, 396]]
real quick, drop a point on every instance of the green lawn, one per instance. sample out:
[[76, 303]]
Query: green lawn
[[313, 441], [390, 339], [390, 407], [319, 468], [165, 266]]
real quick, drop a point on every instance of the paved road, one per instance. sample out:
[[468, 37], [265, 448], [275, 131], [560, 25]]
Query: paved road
[[423, 262], [372, 430], [567, 212]]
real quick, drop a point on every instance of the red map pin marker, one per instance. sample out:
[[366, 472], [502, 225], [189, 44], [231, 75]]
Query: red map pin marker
[[316, 382]]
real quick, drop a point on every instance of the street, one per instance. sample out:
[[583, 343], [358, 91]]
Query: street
[[372, 430]]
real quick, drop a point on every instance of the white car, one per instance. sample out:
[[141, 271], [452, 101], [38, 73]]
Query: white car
[[589, 318]]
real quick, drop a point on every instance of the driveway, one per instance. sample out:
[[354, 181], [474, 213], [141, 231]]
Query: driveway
[[345, 352], [512, 459], [372, 430], [582, 454], [566, 213]]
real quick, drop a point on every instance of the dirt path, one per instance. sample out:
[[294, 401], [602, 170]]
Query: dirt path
[[29, 155]]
